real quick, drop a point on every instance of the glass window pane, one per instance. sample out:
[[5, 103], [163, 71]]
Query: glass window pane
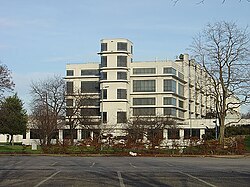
[[90, 72], [121, 75], [144, 111], [121, 61], [69, 87], [104, 46], [104, 76], [170, 86], [174, 133], [169, 101], [86, 134], [103, 61], [121, 94], [169, 111], [122, 46], [121, 117], [70, 73], [90, 87], [144, 85], [143, 101], [180, 75], [144, 71], [69, 102], [180, 89], [169, 70], [90, 112]]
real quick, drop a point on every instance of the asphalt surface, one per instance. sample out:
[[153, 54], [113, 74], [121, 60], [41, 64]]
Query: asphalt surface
[[123, 171]]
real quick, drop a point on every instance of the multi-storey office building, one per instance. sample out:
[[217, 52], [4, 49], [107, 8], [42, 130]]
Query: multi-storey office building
[[105, 95], [122, 89]]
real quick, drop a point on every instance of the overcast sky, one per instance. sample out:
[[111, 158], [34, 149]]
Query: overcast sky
[[38, 38]]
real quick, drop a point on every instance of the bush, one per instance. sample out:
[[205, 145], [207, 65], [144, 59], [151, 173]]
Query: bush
[[233, 145]]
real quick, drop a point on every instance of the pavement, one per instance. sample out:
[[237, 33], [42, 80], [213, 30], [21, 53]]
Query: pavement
[[50, 171]]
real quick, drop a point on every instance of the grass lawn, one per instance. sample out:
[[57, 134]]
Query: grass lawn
[[18, 149]]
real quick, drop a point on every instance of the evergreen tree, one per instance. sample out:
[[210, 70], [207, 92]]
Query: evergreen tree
[[13, 117]]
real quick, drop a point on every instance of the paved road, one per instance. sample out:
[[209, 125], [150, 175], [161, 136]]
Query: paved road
[[123, 171]]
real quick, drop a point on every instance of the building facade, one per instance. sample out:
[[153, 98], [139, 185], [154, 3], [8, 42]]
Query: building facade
[[122, 89], [104, 97]]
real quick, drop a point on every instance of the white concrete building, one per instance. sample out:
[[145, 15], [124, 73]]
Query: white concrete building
[[120, 89], [126, 89]]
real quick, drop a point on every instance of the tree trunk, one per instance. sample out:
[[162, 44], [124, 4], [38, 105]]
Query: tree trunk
[[222, 130], [12, 139]]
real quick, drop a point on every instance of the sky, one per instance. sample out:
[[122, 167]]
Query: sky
[[38, 38]]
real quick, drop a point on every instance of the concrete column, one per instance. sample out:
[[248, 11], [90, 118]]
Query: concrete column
[[79, 134], [60, 134], [202, 131], [165, 134]]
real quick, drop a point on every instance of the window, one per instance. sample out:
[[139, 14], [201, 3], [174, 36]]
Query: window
[[121, 117], [169, 111], [90, 112], [180, 114], [55, 134], [131, 49], [181, 104], [169, 101], [67, 133], [194, 133], [90, 72], [144, 71], [69, 87], [144, 85], [121, 75], [88, 101], [121, 61], [103, 61], [86, 134], [144, 101], [174, 133], [180, 75], [104, 76], [35, 134], [122, 46], [69, 102], [69, 112], [70, 73], [144, 111], [90, 87], [104, 46], [105, 94], [104, 117], [121, 94], [170, 85], [169, 70], [180, 89]]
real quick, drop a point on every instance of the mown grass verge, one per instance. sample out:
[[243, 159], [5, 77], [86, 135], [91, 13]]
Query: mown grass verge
[[19, 149]]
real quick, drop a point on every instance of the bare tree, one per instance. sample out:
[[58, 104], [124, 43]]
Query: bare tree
[[48, 107], [150, 127], [223, 51], [80, 112], [5, 79]]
